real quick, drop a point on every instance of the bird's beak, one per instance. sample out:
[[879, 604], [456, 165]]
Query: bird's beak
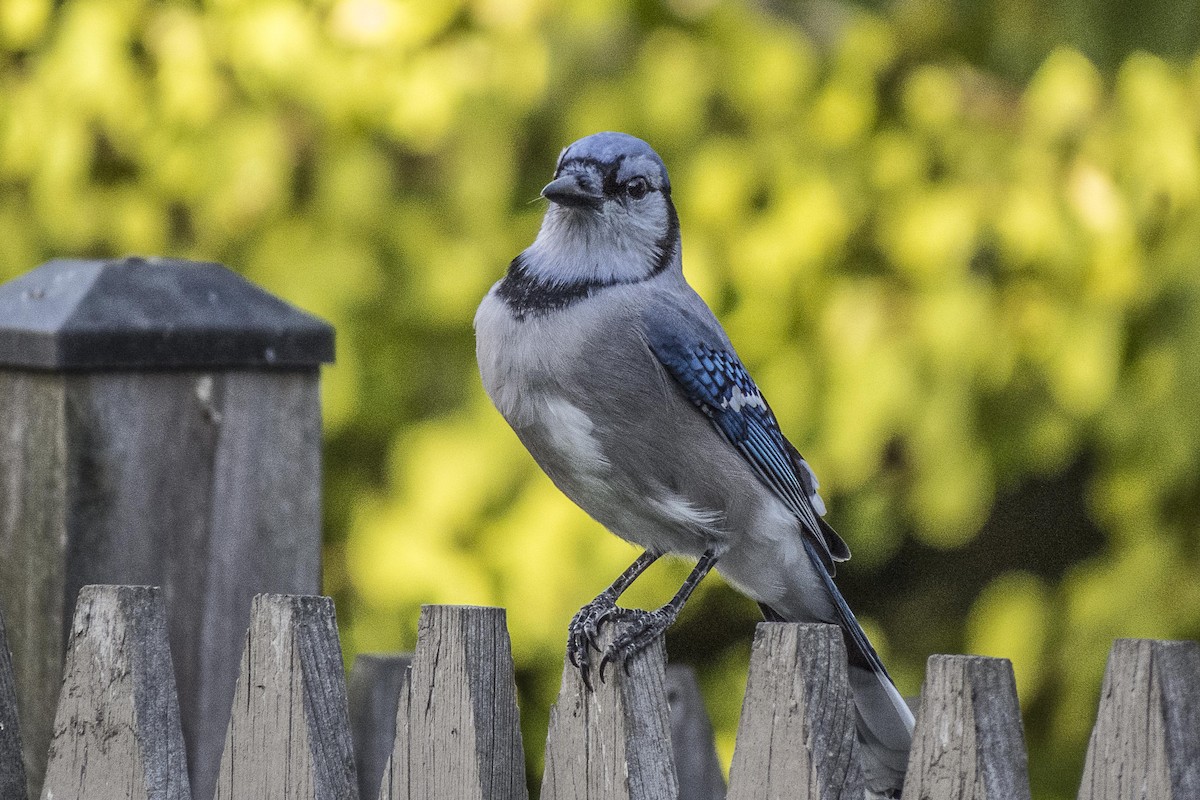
[[572, 190]]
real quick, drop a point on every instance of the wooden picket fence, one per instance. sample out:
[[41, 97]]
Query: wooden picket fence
[[445, 725], [160, 424]]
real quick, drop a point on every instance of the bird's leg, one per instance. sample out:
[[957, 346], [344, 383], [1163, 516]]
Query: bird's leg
[[585, 626], [639, 628]]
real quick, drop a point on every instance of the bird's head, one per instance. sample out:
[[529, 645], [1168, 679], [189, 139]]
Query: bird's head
[[610, 216]]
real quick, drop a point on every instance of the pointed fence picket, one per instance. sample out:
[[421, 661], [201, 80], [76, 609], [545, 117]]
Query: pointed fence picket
[[797, 702], [458, 735], [116, 732], [454, 732], [289, 730], [612, 742], [969, 741]]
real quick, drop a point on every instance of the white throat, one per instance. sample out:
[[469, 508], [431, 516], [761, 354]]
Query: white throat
[[605, 245]]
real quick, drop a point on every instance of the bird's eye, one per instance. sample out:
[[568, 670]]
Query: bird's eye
[[637, 188]]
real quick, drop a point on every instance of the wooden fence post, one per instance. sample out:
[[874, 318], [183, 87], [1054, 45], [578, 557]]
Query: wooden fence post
[[458, 731], [159, 424], [376, 682], [12, 769], [1146, 742], [289, 734], [116, 732], [796, 737], [968, 743], [612, 742], [696, 765]]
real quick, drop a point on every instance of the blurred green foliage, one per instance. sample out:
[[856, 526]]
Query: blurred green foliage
[[962, 264]]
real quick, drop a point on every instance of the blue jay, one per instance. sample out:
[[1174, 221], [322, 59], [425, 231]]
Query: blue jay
[[623, 386]]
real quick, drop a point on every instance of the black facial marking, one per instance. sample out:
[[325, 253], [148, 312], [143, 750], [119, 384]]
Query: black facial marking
[[608, 173], [608, 170], [669, 241], [610, 185]]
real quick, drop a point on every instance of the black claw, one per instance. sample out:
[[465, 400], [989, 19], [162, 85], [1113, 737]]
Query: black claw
[[604, 662], [635, 630], [584, 631]]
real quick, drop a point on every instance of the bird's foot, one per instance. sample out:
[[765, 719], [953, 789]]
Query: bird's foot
[[584, 631], [636, 629]]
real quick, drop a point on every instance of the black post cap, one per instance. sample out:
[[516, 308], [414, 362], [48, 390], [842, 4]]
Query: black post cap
[[148, 313]]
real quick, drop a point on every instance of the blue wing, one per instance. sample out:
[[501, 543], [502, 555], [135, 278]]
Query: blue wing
[[715, 381]]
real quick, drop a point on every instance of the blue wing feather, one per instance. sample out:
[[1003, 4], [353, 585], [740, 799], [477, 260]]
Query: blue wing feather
[[716, 382]]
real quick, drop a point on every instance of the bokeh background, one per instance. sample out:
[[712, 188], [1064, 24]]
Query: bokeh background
[[957, 242]]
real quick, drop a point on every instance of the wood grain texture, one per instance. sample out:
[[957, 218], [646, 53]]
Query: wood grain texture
[[1146, 741], [612, 742], [796, 737], [204, 483], [968, 743], [289, 731], [33, 485], [262, 534], [376, 682], [207, 484], [697, 768], [458, 731], [12, 766], [116, 732]]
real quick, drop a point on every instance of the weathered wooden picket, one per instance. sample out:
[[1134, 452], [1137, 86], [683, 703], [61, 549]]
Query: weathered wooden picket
[[456, 732], [159, 425]]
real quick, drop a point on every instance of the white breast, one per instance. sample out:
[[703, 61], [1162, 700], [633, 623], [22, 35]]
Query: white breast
[[522, 363]]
